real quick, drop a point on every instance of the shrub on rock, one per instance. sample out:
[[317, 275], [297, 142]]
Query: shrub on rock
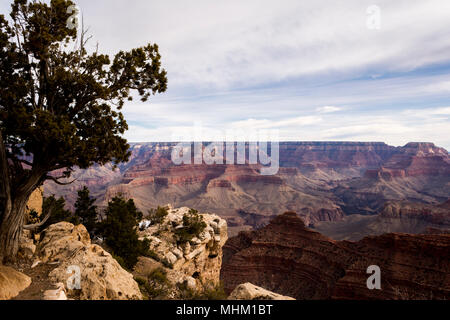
[[156, 216], [193, 225]]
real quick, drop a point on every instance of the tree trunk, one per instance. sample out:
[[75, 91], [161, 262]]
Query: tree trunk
[[13, 203], [5, 191], [11, 229]]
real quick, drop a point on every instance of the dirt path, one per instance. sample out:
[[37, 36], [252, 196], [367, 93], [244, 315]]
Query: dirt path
[[40, 281]]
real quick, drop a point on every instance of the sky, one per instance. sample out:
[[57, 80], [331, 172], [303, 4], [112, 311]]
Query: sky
[[312, 70]]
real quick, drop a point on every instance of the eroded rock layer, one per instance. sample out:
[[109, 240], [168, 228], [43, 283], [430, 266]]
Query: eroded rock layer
[[395, 217], [288, 258], [321, 181]]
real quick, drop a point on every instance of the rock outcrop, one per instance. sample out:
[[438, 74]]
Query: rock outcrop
[[102, 278], [59, 293], [288, 258], [334, 154], [437, 215], [195, 263], [395, 217], [27, 248], [35, 201], [248, 291], [12, 282], [414, 160]]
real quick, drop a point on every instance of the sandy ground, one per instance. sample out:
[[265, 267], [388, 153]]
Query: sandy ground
[[40, 281]]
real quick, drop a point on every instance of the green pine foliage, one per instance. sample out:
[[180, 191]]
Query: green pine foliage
[[60, 104], [193, 225], [58, 211], [156, 216], [119, 230], [209, 293], [86, 211], [155, 286]]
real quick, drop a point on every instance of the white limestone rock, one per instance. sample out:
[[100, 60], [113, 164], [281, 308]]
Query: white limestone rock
[[102, 277], [248, 291]]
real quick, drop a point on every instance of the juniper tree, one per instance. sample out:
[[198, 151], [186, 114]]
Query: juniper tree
[[60, 106]]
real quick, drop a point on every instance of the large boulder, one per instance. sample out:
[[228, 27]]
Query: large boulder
[[248, 291], [59, 241], [12, 282], [27, 248], [102, 278]]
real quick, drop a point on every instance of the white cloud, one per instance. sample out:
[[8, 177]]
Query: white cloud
[[253, 124], [221, 44], [441, 111], [328, 109], [443, 86], [428, 113], [303, 53], [396, 128]]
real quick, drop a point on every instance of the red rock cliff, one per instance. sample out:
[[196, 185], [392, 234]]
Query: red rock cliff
[[288, 258]]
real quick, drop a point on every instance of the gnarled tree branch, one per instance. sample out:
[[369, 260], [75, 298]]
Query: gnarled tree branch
[[55, 180], [35, 226]]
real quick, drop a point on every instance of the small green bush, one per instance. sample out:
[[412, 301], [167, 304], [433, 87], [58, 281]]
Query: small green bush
[[140, 281], [193, 225], [152, 254], [211, 293], [156, 216], [156, 286], [144, 287], [216, 293], [159, 275]]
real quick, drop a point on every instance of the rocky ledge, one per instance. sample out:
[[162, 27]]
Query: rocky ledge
[[69, 248], [193, 264], [248, 291]]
